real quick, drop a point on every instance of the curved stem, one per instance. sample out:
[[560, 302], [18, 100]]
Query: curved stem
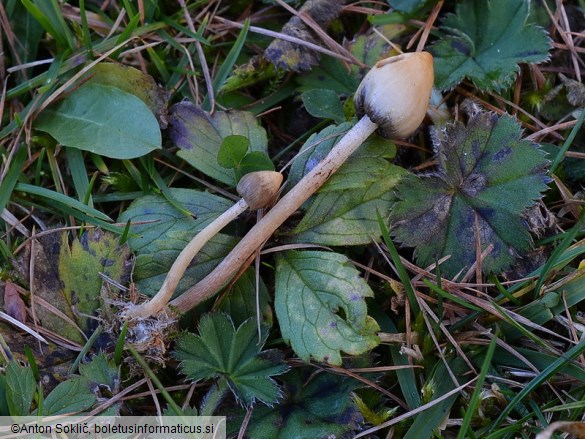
[[178, 268], [287, 205]]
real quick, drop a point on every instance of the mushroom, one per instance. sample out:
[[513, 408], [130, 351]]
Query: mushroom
[[258, 190], [393, 97]]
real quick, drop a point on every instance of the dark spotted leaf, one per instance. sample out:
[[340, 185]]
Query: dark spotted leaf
[[67, 277], [486, 42], [486, 180], [320, 305], [222, 351], [313, 407]]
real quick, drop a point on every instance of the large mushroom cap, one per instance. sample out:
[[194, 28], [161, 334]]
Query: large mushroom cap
[[395, 93]]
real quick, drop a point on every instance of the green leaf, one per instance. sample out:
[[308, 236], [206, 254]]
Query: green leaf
[[330, 74], [133, 81], [313, 407], [344, 210], [408, 6], [255, 161], [68, 277], [232, 151], [239, 301], [28, 30], [103, 120], [199, 136], [73, 395], [323, 103], [320, 305], [166, 231], [487, 41], [101, 372], [487, 178], [221, 350], [20, 389]]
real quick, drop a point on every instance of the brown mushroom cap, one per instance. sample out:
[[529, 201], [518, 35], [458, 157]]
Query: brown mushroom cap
[[395, 93], [259, 189]]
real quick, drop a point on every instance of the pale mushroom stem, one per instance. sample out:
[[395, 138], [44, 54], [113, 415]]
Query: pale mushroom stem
[[160, 300], [291, 202]]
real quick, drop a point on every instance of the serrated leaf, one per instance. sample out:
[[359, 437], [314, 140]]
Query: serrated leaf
[[348, 217], [320, 305], [103, 120], [199, 136], [20, 389], [167, 231], [101, 372], [71, 396], [313, 407], [487, 178], [232, 151], [487, 41], [67, 276], [344, 210], [323, 103], [221, 350]]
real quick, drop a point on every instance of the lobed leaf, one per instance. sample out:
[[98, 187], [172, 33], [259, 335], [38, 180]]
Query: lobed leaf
[[20, 389], [313, 406], [487, 178], [486, 42], [320, 305], [221, 350]]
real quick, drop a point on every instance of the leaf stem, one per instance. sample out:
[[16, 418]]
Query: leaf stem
[[287, 205]]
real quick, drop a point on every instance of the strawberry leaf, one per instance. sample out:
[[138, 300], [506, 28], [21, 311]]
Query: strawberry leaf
[[222, 351], [487, 41], [320, 305], [487, 178]]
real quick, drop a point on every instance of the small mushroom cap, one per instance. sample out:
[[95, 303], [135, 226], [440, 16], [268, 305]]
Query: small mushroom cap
[[259, 189], [395, 93]]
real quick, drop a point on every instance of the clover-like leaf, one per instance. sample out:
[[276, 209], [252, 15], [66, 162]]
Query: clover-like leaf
[[487, 41], [199, 136], [487, 178], [320, 305], [222, 351]]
